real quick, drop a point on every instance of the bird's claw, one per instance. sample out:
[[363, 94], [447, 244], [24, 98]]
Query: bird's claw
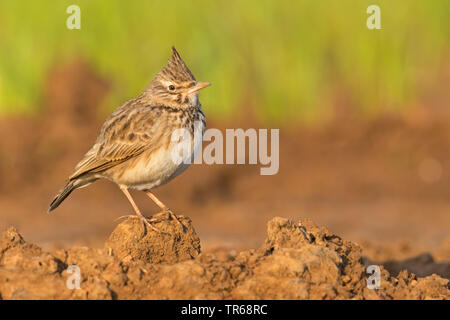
[[174, 217], [146, 221]]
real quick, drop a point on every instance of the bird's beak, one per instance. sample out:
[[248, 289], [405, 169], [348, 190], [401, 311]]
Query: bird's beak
[[199, 85]]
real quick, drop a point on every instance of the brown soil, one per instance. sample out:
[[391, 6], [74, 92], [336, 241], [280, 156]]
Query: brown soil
[[383, 184], [296, 261]]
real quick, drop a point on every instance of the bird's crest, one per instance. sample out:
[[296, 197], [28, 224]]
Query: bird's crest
[[176, 69]]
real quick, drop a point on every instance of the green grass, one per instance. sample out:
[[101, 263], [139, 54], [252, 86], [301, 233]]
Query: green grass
[[281, 59]]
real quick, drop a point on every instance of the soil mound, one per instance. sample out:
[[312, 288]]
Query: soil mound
[[131, 240], [297, 261]]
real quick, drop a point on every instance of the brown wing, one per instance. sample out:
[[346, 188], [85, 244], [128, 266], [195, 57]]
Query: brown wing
[[125, 134]]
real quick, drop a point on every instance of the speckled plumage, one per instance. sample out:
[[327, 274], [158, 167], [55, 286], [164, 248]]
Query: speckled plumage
[[134, 146]]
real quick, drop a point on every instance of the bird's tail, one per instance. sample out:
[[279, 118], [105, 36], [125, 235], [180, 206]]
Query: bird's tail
[[67, 190]]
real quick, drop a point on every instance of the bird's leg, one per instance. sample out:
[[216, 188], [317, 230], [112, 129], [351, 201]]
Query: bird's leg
[[138, 212], [164, 208]]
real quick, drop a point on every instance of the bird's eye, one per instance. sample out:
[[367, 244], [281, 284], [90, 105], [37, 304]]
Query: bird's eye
[[171, 87]]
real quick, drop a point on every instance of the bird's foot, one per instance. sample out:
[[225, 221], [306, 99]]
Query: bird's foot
[[147, 222], [174, 217]]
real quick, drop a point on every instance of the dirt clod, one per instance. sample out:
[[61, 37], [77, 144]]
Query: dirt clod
[[132, 241], [297, 261]]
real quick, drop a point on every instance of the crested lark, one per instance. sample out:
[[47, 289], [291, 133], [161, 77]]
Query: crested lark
[[134, 147]]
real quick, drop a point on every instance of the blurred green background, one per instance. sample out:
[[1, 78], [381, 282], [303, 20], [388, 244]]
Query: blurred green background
[[283, 60]]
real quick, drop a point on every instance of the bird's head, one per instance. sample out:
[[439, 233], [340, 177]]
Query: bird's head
[[174, 85]]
